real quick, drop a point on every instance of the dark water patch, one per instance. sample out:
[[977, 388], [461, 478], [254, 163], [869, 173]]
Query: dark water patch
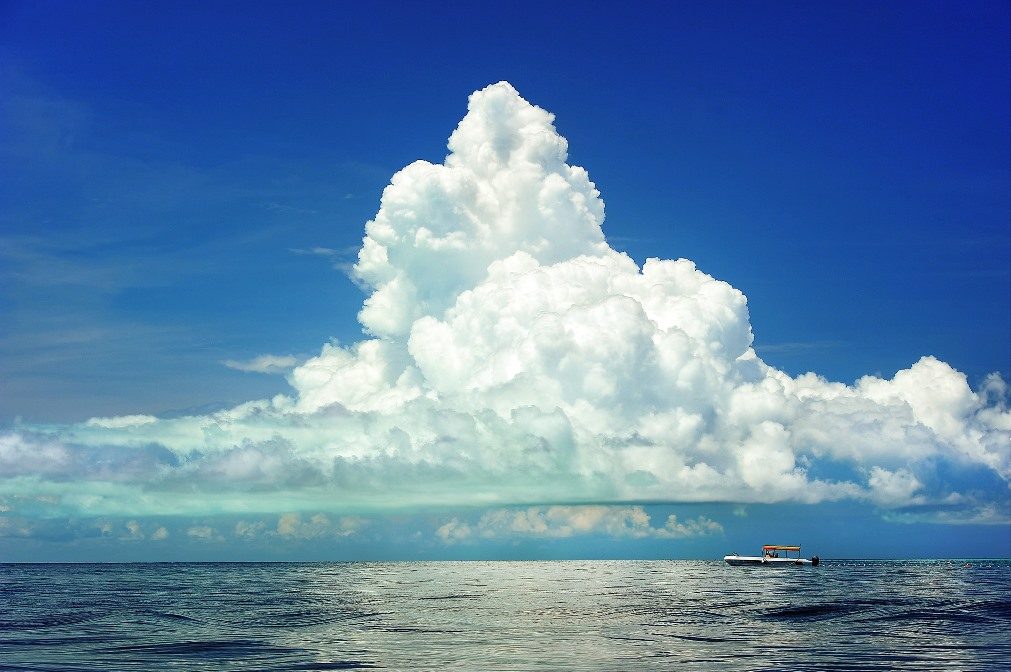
[[632, 639], [214, 648], [41, 621], [811, 611], [335, 665], [997, 609], [323, 615], [45, 667], [938, 615], [698, 638], [68, 641], [167, 616]]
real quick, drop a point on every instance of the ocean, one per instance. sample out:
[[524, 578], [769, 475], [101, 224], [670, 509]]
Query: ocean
[[552, 615]]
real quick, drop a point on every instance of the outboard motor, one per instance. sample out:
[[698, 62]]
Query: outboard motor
[[815, 561]]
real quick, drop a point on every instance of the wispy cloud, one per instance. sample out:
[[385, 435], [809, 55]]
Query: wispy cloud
[[957, 513], [320, 251], [291, 209], [124, 225], [798, 346], [341, 259], [263, 364], [121, 421]]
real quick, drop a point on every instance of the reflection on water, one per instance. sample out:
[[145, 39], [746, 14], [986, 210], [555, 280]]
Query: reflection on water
[[505, 616]]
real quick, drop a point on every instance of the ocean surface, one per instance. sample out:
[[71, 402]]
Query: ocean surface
[[578, 615]]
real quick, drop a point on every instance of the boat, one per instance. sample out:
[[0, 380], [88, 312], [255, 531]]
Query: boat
[[771, 558]]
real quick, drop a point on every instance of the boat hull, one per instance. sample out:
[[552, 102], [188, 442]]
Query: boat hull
[[753, 561]]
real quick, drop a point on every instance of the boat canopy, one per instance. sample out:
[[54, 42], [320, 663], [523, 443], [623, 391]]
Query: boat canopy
[[780, 548]]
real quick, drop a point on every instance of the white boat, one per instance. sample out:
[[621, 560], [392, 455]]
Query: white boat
[[771, 558]]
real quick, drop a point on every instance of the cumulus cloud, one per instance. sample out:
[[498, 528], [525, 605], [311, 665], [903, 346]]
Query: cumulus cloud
[[893, 487], [293, 526], [513, 357], [204, 533], [133, 531], [11, 526], [453, 530], [249, 530], [263, 364], [568, 521], [79, 529]]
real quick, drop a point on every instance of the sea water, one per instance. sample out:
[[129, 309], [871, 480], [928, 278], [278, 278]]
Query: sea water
[[556, 615]]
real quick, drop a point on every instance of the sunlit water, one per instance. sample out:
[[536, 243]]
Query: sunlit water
[[595, 615]]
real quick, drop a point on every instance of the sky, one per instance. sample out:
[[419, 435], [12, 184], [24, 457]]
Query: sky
[[321, 281]]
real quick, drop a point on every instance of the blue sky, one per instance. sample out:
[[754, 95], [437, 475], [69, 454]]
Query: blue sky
[[184, 185]]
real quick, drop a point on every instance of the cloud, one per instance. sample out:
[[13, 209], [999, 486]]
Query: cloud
[[514, 358], [133, 531], [890, 488], [342, 259], [453, 531], [797, 346], [294, 526], [268, 465], [568, 521], [960, 513], [29, 456], [204, 533], [286, 209], [247, 530], [80, 529], [263, 364], [121, 422], [11, 526], [291, 525]]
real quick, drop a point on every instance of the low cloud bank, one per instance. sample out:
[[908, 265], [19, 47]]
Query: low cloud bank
[[514, 358], [568, 521]]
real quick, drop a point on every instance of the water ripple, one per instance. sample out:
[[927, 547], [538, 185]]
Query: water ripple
[[860, 615]]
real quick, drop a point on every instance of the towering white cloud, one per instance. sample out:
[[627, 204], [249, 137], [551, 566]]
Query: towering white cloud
[[514, 357], [504, 188]]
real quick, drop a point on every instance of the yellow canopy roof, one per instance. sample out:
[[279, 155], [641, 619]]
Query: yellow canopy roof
[[780, 548]]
